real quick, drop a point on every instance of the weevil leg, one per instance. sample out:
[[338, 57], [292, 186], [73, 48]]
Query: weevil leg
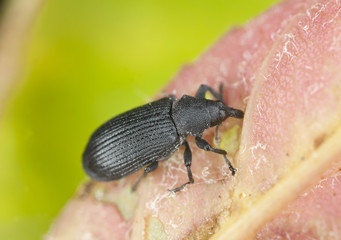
[[221, 86], [201, 94], [147, 170], [203, 144], [188, 163], [221, 99], [216, 133], [204, 88]]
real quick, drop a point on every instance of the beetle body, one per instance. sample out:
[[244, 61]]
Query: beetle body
[[130, 141], [150, 133]]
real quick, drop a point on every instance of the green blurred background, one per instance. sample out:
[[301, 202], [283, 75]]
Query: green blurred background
[[86, 62]]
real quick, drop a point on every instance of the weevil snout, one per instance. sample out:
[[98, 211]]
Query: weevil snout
[[234, 112]]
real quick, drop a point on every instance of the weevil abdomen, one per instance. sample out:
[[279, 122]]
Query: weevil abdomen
[[131, 140]]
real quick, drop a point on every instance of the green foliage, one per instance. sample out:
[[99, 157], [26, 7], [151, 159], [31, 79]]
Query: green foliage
[[88, 61]]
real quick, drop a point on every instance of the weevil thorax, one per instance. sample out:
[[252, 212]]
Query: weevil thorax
[[192, 116]]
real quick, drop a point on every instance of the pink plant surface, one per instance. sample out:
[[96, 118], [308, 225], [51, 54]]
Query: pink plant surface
[[283, 68]]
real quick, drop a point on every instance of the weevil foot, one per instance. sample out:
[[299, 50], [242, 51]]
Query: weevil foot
[[232, 169], [179, 188]]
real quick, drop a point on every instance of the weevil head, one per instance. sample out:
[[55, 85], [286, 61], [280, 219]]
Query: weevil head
[[219, 112]]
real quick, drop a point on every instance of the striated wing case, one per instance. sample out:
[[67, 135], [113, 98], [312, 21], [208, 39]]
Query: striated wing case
[[130, 141]]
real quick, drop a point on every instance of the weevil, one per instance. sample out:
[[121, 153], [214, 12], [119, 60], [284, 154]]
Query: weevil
[[148, 134]]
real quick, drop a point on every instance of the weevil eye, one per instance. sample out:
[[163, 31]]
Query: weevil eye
[[222, 114], [217, 113]]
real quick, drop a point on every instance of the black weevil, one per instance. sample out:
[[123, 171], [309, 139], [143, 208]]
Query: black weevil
[[148, 134]]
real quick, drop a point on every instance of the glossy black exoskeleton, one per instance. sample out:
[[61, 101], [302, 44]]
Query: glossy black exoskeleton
[[151, 133]]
